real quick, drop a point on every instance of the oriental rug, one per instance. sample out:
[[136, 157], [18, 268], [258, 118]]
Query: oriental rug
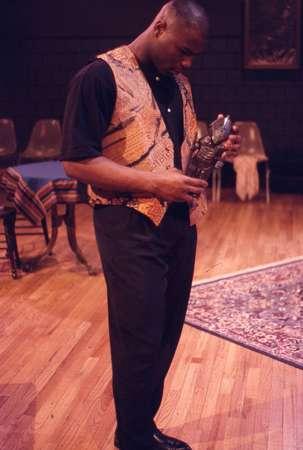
[[260, 308]]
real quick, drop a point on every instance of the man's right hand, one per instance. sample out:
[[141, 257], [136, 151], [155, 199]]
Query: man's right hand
[[173, 186], [168, 185]]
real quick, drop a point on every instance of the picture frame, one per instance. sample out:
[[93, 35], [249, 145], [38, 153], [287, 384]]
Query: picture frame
[[272, 34]]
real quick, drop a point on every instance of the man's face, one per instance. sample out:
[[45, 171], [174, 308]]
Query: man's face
[[176, 46]]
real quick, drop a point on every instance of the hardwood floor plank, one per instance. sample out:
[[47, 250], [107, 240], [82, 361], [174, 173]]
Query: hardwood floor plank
[[55, 377]]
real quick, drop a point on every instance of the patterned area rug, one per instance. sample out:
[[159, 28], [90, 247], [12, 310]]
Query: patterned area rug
[[261, 309]]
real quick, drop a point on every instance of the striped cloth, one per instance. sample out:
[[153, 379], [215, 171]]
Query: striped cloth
[[35, 188]]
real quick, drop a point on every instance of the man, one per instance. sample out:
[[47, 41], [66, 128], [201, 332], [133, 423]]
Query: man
[[129, 129]]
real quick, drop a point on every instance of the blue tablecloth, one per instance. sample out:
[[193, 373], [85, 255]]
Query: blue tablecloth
[[38, 174], [34, 188]]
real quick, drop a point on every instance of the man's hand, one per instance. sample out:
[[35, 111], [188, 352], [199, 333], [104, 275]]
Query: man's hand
[[173, 186], [232, 144], [168, 185]]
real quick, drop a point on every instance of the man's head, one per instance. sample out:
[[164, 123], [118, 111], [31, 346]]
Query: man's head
[[176, 35]]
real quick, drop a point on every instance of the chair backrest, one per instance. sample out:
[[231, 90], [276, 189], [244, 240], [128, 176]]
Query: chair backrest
[[8, 142], [202, 128], [45, 140], [251, 143]]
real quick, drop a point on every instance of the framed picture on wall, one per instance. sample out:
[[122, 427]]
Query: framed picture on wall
[[272, 34]]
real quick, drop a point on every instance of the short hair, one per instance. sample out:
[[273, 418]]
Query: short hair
[[191, 12]]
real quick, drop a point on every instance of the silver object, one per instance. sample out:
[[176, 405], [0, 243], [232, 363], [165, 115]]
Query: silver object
[[208, 150]]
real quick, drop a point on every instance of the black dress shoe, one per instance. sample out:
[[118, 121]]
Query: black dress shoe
[[170, 443], [162, 442]]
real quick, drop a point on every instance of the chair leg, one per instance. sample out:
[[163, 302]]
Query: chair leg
[[12, 251], [45, 230], [70, 223], [214, 185], [267, 185], [219, 181]]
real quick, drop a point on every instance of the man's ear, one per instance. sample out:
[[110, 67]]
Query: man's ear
[[159, 27]]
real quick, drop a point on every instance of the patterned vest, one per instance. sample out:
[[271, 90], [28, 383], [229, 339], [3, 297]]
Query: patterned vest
[[137, 135]]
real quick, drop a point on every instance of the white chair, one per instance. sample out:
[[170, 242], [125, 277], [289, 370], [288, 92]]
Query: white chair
[[252, 154], [45, 141]]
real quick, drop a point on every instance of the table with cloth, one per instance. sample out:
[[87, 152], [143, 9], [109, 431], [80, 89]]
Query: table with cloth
[[38, 188]]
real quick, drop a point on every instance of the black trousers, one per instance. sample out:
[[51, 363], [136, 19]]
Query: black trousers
[[148, 272]]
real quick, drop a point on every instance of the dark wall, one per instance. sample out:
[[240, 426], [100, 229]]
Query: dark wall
[[44, 43]]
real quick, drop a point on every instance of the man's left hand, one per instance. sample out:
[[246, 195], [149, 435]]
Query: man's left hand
[[232, 145]]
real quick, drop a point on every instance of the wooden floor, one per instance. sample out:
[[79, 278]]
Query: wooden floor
[[55, 376]]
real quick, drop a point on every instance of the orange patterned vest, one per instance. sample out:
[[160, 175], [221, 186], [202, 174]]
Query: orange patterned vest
[[137, 135]]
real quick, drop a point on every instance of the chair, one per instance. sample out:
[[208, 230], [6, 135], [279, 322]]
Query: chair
[[45, 141], [251, 155], [8, 144]]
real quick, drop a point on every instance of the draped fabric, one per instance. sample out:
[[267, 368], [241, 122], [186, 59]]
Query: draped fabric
[[247, 181]]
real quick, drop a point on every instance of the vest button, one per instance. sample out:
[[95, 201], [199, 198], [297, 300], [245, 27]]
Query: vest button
[[168, 110]]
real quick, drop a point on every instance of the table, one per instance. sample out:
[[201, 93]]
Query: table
[[38, 188]]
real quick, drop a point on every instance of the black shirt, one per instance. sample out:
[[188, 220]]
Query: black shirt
[[90, 105]]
